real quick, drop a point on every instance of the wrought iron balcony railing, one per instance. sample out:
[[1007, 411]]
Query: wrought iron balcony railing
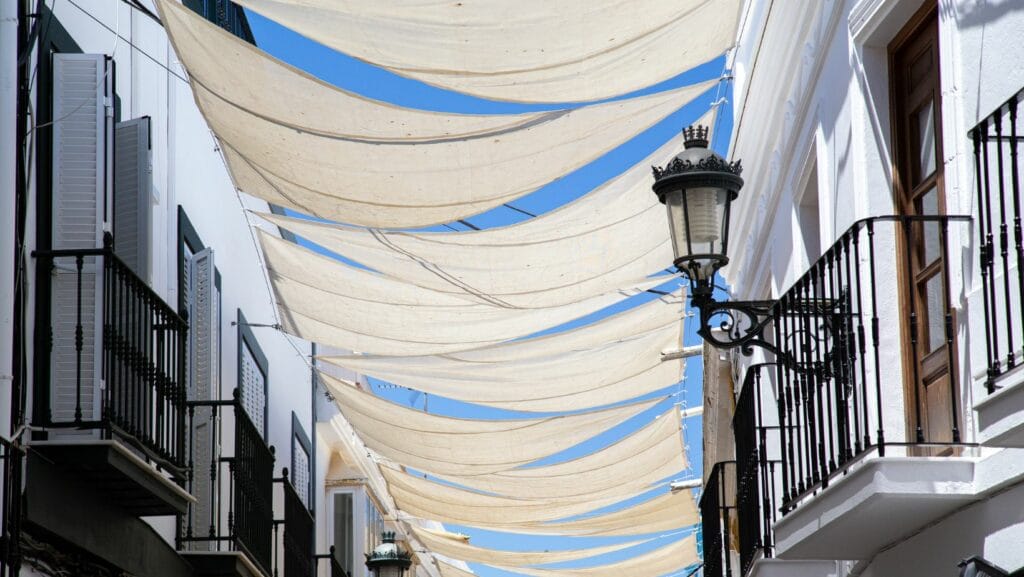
[[334, 568], [999, 186], [11, 463], [717, 506], [847, 382], [299, 534], [233, 484], [114, 359], [756, 472]]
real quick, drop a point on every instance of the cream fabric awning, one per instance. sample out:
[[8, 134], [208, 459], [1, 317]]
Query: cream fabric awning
[[451, 446], [530, 50], [612, 237], [324, 300], [459, 549], [579, 379], [671, 558], [449, 570], [667, 512], [431, 500], [635, 462], [298, 142]]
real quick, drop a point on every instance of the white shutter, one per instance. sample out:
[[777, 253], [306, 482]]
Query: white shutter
[[133, 184], [253, 389], [203, 353], [82, 134], [202, 325]]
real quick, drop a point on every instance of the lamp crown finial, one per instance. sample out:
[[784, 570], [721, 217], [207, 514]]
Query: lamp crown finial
[[695, 136]]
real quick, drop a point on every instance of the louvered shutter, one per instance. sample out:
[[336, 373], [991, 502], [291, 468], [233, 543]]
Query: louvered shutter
[[203, 386], [81, 192], [300, 470], [202, 308], [253, 389], [133, 184]]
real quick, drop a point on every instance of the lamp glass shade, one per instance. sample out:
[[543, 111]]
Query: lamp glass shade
[[389, 571], [697, 219]]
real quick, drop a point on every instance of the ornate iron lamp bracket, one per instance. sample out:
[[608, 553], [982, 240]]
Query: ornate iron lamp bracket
[[740, 323]]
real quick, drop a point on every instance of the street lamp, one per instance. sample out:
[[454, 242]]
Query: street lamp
[[387, 560], [698, 188]]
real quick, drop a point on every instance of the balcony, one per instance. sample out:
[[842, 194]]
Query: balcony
[[110, 388], [299, 534], [844, 427], [328, 565], [717, 514], [11, 464], [999, 183], [228, 530]]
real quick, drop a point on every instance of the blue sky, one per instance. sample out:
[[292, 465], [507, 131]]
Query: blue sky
[[373, 82]]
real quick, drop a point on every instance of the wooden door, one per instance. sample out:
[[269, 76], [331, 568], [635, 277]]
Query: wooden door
[[918, 180]]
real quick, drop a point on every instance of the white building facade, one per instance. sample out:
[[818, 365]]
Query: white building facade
[[155, 421], [879, 432]]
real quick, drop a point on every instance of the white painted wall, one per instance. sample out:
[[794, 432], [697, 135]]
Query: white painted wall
[[813, 84], [188, 171]]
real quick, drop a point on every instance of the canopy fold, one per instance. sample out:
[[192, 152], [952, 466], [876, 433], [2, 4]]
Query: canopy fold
[[431, 500], [450, 446], [327, 301], [671, 558], [463, 551], [634, 463], [527, 51], [666, 512], [579, 379], [301, 143], [611, 237]]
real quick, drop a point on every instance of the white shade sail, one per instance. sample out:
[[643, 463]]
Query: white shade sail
[[598, 375], [635, 462], [452, 446], [612, 237], [666, 512], [449, 570], [324, 300], [431, 500], [437, 542], [671, 558], [298, 142], [529, 50]]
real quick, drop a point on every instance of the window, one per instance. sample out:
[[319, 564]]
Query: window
[[344, 530], [808, 215], [133, 185], [199, 298], [920, 192], [82, 88], [374, 526], [301, 471], [252, 376], [356, 525], [226, 14]]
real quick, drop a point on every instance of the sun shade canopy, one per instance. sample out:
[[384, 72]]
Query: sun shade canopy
[[612, 360], [612, 237], [529, 50], [300, 143], [452, 446]]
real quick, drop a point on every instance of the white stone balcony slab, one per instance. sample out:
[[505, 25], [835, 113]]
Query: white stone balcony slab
[[792, 568], [1001, 413], [876, 503]]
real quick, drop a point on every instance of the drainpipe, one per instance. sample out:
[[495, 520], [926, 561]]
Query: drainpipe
[[8, 163]]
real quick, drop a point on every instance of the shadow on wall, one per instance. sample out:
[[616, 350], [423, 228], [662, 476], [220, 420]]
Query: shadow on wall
[[978, 12], [939, 549]]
